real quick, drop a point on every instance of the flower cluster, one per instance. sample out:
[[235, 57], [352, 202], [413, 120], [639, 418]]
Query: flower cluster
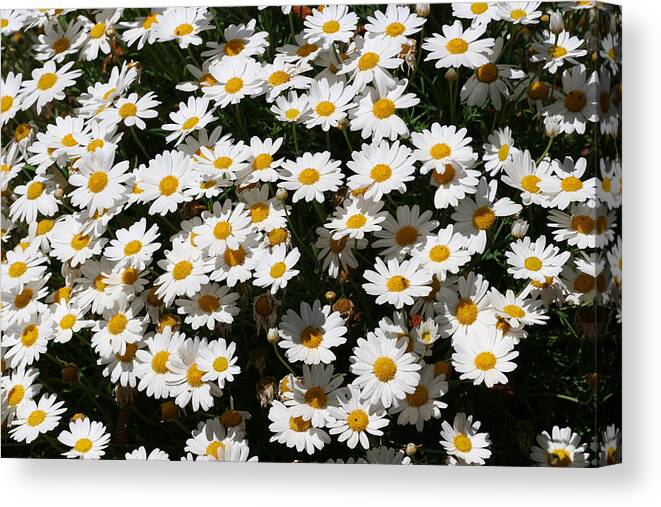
[[371, 215]]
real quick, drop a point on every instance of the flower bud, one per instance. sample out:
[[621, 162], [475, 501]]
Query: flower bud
[[519, 228], [70, 373], [59, 193], [78, 416], [342, 124], [556, 24], [552, 125], [443, 367], [451, 75], [281, 195], [169, 411], [330, 296], [273, 336], [411, 449], [422, 10]]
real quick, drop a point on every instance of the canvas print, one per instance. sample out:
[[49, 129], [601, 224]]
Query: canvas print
[[349, 234]]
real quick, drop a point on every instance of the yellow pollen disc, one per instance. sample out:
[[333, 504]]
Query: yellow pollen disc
[[356, 221], [109, 93], [439, 253], [259, 212], [100, 283], [559, 458], [575, 101], [357, 420], [220, 364], [68, 321], [222, 163], [517, 14], [98, 30], [462, 443], [457, 46], [129, 353], [29, 335], [132, 247], [279, 77], [181, 270], [466, 312], [208, 303], [612, 53], [6, 102], [325, 108], [36, 417], [128, 109], [62, 294], [278, 269], [381, 173], [316, 397], [234, 257], [571, 184], [80, 241], [24, 298], [419, 397], [584, 283], [15, 395], [129, 276], [231, 418], [194, 376], [439, 151], [22, 131], [383, 108], [395, 29], [233, 85], [446, 176], [483, 218], [487, 73], [97, 181], [34, 190], [384, 369], [479, 7], [368, 61], [582, 223], [557, 52], [17, 269], [83, 445], [95, 145], [213, 449], [183, 29], [331, 26], [397, 283], [514, 311], [168, 185], [190, 123], [47, 81], [262, 161], [159, 362], [503, 152], [207, 80], [337, 245], [407, 235], [117, 324], [299, 425], [529, 183], [5, 168], [234, 47], [292, 114], [4, 22], [277, 236], [533, 263], [222, 230], [311, 337], [149, 21], [308, 176], [167, 320]]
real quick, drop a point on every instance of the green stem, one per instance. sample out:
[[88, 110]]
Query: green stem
[[546, 150], [293, 135], [282, 360], [139, 143], [346, 137]]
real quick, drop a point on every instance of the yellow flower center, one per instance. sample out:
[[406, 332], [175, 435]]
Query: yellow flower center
[[325, 108], [159, 362], [612, 53], [575, 101], [100, 283], [606, 184], [262, 161], [479, 8], [457, 46], [439, 253], [208, 303], [183, 29], [149, 21], [80, 241], [68, 321], [503, 152], [95, 145], [47, 81], [306, 50], [462, 443], [278, 269], [356, 221], [194, 376], [445, 177], [279, 77], [22, 131], [533, 263], [234, 47], [34, 190], [129, 353], [308, 176], [36, 417], [395, 29], [277, 236], [368, 61], [419, 397], [234, 257], [17, 269], [316, 397], [24, 298], [222, 230], [234, 85], [222, 163], [582, 223], [15, 395], [181, 270], [514, 311], [487, 73], [220, 364], [571, 184], [381, 172], [168, 185], [98, 30], [311, 337], [557, 52], [213, 449], [485, 361], [397, 283], [466, 312], [383, 108], [207, 80], [483, 218], [83, 445], [128, 109], [259, 212], [517, 14], [190, 123], [292, 114], [529, 183], [6, 102], [29, 335], [132, 247], [331, 26], [97, 181], [357, 420], [559, 458], [439, 151], [117, 324], [299, 425]]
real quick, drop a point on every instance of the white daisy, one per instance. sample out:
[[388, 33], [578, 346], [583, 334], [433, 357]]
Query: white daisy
[[87, 439], [192, 115], [211, 304], [294, 431], [462, 440], [310, 175], [422, 404], [562, 448], [397, 283], [34, 418], [333, 23], [47, 84], [458, 47], [355, 419], [275, 268]]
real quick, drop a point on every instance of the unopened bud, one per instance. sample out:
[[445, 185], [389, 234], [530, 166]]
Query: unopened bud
[[451, 75], [519, 228], [343, 124], [330, 296], [281, 195], [552, 125], [110, 32], [78, 416], [70, 373], [59, 193], [273, 336], [169, 411], [422, 10], [411, 449], [556, 23]]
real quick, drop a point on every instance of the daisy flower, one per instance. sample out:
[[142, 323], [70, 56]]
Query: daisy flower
[[266, 213], [11, 163], [480, 13], [218, 361], [18, 388], [453, 183], [22, 266], [21, 302], [422, 404], [586, 280], [524, 13], [397, 283], [498, 150], [141, 454], [381, 168], [134, 246], [11, 100], [475, 216], [213, 303], [522, 173], [583, 227], [227, 226], [33, 419], [376, 114], [458, 47], [235, 79], [282, 75], [568, 186], [96, 32], [92, 289], [131, 110], [372, 62], [292, 109], [314, 393], [164, 181], [235, 266], [396, 25], [87, 439], [535, 261], [240, 41], [68, 318], [12, 20], [142, 30], [462, 440], [556, 49], [192, 115], [517, 310], [333, 23], [36, 197], [485, 358], [294, 431], [119, 326], [73, 240], [152, 362], [47, 84], [337, 253], [328, 103], [263, 166], [25, 342], [185, 377], [466, 311], [309, 335], [441, 146], [562, 448], [386, 373], [356, 418], [209, 439], [183, 24], [442, 253], [275, 268], [610, 449], [185, 272], [225, 160], [310, 175], [611, 51], [578, 106], [301, 51]]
